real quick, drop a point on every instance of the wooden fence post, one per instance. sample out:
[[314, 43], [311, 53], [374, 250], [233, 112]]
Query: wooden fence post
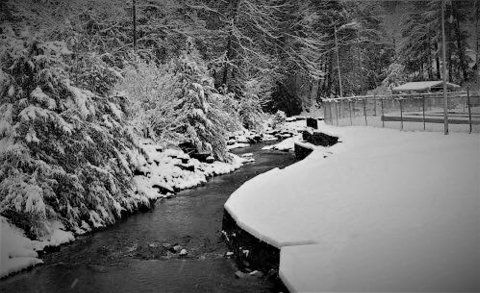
[[350, 110], [401, 112], [469, 110], [325, 110], [365, 110], [336, 112], [354, 105], [382, 117], [330, 111], [423, 111], [340, 109]]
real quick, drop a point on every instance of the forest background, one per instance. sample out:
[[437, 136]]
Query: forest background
[[80, 81]]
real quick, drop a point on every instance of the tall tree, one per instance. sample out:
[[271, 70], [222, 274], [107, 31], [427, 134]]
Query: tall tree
[[299, 50], [331, 15], [476, 19], [421, 39], [371, 51]]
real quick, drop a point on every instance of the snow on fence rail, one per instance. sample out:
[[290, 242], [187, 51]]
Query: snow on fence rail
[[420, 111]]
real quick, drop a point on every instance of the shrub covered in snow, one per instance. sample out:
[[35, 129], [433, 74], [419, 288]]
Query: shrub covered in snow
[[250, 105], [179, 103], [65, 153], [278, 118], [152, 101]]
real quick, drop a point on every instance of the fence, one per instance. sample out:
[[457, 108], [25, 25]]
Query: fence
[[422, 111]]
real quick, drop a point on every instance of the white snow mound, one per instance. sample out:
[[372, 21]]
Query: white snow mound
[[387, 211]]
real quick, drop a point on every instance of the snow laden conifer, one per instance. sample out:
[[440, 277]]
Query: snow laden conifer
[[65, 153]]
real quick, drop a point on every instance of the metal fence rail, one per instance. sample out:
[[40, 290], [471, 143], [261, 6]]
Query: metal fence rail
[[407, 111]]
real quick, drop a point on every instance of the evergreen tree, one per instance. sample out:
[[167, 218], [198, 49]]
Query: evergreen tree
[[370, 50], [66, 153], [300, 48], [422, 40]]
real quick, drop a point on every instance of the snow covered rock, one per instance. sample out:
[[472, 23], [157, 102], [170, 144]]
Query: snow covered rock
[[177, 248], [240, 275], [167, 246]]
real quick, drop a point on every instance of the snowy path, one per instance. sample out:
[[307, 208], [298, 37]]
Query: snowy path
[[387, 211]]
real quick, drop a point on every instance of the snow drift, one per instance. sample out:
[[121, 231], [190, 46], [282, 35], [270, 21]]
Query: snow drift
[[388, 211]]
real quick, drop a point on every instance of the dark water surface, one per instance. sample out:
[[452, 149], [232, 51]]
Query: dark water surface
[[130, 257]]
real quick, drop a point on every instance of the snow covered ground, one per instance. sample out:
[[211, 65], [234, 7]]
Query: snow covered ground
[[17, 252], [171, 170], [166, 171], [384, 210]]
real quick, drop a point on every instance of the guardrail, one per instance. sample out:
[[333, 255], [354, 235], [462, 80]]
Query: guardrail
[[421, 111]]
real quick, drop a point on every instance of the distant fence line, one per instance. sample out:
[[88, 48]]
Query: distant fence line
[[419, 111]]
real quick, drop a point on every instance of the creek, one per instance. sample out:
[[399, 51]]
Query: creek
[[134, 255]]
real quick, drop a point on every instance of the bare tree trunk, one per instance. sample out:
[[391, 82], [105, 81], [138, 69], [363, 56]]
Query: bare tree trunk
[[437, 61], [328, 77], [314, 91], [230, 52], [477, 35], [430, 70], [461, 52], [448, 38], [226, 66]]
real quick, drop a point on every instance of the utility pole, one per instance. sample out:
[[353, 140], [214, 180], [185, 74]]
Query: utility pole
[[477, 34], [134, 27], [444, 57], [338, 62]]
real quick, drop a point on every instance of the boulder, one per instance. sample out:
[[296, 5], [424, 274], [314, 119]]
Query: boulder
[[319, 138], [167, 246], [256, 274], [163, 188], [202, 157], [240, 275], [210, 159], [306, 134], [177, 248], [187, 147], [254, 138], [247, 155], [186, 167]]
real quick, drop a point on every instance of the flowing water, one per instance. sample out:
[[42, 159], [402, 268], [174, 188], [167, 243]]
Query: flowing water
[[132, 256]]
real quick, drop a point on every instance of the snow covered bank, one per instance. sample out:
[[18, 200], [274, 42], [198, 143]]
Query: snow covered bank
[[171, 170], [290, 131], [17, 252], [388, 211], [166, 172]]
